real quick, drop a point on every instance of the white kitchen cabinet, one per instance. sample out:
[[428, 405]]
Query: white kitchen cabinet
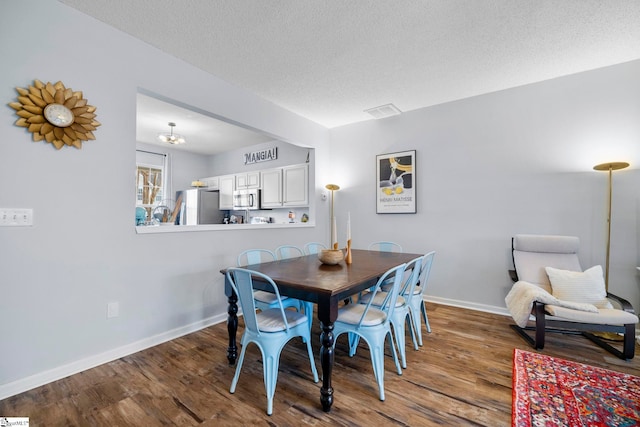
[[271, 194], [211, 183], [295, 186], [248, 180], [286, 187], [226, 185]]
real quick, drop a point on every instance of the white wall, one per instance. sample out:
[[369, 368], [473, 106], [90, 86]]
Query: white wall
[[57, 277], [516, 161]]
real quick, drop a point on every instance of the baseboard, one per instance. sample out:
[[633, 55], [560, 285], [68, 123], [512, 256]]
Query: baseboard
[[42, 378], [470, 305]]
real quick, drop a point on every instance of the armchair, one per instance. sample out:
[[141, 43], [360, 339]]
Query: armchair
[[571, 301]]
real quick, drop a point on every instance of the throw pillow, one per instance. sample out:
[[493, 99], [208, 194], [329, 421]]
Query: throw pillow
[[582, 287]]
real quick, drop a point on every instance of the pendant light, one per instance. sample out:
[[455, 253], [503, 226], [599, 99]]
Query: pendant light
[[172, 138]]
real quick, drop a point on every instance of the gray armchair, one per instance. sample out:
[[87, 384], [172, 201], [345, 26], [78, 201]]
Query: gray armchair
[[576, 303]]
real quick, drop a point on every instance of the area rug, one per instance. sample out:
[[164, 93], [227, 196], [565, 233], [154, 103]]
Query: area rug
[[553, 392]]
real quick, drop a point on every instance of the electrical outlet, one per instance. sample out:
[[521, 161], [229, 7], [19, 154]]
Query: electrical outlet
[[113, 310]]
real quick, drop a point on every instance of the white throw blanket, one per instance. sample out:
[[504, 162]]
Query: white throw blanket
[[523, 294]]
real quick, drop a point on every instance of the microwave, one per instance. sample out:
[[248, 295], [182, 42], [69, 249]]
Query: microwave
[[246, 199]]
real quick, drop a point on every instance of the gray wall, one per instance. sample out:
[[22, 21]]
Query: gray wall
[[83, 251], [514, 161], [232, 162]]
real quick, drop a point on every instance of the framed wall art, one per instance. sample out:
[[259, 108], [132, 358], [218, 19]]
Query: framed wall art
[[396, 182]]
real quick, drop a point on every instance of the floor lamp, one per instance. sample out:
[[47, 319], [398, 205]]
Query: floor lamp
[[609, 167]]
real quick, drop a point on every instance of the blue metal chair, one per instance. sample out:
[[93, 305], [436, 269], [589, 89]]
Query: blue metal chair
[[270, 330], [313, 248], [401, 313], [264, 300], [291, 251], [415, 300], [288, 251], [373, 324], [385, 247]]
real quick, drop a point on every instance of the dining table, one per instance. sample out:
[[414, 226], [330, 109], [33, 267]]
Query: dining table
[[307, 278]]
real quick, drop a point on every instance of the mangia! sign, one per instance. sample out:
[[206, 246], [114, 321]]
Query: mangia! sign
[[261, 156]]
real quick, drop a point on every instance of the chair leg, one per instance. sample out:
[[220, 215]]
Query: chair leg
[[354, 340], [314, 371], [270, 366], [398, 330], [417, 326], [412, 328], [628, 344], [423, 308], [393, 351], [234, 382], [376, 349]]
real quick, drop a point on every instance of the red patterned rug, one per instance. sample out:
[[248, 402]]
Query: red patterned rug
[[553, 392]]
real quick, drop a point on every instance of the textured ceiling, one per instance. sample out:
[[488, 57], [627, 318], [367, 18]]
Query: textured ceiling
[[330, 60]]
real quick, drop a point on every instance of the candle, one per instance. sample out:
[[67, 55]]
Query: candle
[[347, 257], [334, 235]]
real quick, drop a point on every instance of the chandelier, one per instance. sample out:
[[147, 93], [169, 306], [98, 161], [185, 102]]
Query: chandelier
[[171, 138]]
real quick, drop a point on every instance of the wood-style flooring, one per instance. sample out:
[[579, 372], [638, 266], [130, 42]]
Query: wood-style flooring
[[461, 376]]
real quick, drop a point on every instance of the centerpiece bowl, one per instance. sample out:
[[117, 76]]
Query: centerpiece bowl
[[330, 256]]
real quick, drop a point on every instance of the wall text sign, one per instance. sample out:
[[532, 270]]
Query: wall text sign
[[261, 156]]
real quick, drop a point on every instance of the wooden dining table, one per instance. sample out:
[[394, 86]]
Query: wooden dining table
[[306, 278]]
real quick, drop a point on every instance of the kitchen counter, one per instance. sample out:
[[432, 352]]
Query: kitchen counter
[[154, 229]]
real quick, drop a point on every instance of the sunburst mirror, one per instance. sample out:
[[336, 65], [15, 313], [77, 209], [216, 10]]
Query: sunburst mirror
[[55, 114]]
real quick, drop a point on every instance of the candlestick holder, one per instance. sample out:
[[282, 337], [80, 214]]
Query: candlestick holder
[[347, 257]]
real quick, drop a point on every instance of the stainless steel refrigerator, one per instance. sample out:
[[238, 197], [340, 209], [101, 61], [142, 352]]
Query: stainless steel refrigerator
[[199, 206]]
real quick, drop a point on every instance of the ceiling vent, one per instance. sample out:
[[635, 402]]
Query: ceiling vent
[[383, 111]]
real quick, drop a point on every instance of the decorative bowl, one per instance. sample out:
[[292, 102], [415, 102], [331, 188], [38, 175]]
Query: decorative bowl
[[330, 256]]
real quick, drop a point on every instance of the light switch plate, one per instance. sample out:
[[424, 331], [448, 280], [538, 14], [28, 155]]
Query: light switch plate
[[12, 217]]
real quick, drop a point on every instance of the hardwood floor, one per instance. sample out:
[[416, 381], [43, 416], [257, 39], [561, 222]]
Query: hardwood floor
[[461, 376]]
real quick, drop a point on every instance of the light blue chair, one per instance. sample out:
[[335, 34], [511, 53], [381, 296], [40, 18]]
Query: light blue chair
[[401, 312], [313, 248], [415, 300], [291, 251], [264, 300], [270, 330], [385, 247], [373, 324], [288, 251]]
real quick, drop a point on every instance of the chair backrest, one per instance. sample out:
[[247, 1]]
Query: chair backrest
[[241, 280], [255, 256], [425, 270], [385, 247], [313, 248], [288, 251], [532, 253], [410, 278], [389, 302]]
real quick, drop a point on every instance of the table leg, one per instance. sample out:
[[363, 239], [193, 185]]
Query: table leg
[[232, 327], [326, 361]]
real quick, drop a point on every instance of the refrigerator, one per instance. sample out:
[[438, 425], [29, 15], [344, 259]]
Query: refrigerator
[[199, 206]]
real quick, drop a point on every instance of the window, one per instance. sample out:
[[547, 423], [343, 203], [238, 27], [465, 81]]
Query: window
[[149, 187], [151, 180]]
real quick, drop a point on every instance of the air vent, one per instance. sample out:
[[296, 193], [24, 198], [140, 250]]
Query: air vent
[[383, 111]]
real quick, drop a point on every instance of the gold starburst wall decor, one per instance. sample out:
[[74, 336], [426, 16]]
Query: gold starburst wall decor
[[55, 114]]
